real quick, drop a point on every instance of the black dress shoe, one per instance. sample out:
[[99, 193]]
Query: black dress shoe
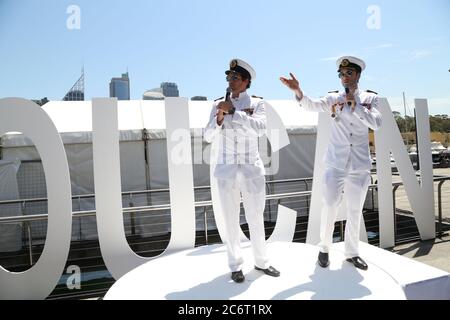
[[237, 276], [358, 263], [323, 260], [270, 271]]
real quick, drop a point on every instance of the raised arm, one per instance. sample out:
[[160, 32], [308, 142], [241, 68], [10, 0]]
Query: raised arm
[[317, 105]]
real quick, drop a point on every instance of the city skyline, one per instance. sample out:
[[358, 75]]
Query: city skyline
[[405, 45]]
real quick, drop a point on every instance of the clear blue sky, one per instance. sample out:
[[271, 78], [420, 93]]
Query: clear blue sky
[[190, 42]]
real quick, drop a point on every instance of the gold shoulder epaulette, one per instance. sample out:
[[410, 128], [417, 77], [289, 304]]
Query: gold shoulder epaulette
[[335, 91], [218, 99], [257, 97], [371, 91]]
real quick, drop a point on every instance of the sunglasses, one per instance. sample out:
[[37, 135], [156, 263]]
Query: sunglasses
[[233, 77], [345, 73]]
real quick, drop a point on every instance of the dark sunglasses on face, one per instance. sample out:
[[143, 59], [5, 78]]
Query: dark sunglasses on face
[[345, 73], [233, 77]]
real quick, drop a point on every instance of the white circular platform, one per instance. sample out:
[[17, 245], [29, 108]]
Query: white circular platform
[[202, 273]]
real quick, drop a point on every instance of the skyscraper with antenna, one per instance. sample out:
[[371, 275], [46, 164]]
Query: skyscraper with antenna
[[76, 93]]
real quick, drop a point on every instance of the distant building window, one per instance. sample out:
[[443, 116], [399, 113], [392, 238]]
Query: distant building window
[[170, 89], [120, 87]]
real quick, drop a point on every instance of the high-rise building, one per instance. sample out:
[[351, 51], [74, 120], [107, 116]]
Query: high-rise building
[[199, 98], [76, 93], [153, 94], [170, 89], [120, 87], [40, 102]]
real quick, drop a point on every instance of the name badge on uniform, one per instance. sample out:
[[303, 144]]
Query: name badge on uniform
[[368, 106], [335, 108], [248, 111]]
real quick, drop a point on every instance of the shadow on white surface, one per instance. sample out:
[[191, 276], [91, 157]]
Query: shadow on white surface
[[202, 273]]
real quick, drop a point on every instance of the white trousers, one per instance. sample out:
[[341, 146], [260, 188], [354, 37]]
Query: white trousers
[[352, 186], [253, 196]]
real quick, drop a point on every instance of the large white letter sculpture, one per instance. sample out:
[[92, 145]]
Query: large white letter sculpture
[[420, 195], [39, 281], [117, 254]]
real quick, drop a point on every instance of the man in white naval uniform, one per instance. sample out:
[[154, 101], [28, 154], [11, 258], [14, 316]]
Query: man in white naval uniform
[[239, 120], [347, 160]]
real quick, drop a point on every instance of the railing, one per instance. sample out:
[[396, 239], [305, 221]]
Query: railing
[[130, 194], [441, 180], [27, 219], [132, 210]]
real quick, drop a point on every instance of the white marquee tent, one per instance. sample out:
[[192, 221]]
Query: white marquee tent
[[142, 135]]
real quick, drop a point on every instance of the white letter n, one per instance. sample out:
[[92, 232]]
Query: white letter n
[[420, 195]]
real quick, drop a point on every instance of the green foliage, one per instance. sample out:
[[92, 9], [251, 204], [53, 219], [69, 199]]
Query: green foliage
[[438, 123]]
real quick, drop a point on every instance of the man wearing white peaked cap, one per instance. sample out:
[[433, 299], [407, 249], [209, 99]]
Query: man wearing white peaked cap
[[237, 120], [347, 160]]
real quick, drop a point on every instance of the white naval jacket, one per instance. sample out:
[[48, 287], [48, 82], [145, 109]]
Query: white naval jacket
[[238, 143], [349, 137]]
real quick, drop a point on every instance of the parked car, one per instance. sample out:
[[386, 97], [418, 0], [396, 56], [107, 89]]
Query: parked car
[[392, 161]]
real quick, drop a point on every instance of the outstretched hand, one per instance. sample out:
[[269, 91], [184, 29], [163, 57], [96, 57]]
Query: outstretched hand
[[292, 83]]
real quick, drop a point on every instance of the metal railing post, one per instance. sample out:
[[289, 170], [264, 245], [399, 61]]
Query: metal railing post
[[132, 217], [268, 191], [79, 226], [23, 204], [395, 215], [307, 197], [30, 242], [440, 208], [371, 189], [205, 222]]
